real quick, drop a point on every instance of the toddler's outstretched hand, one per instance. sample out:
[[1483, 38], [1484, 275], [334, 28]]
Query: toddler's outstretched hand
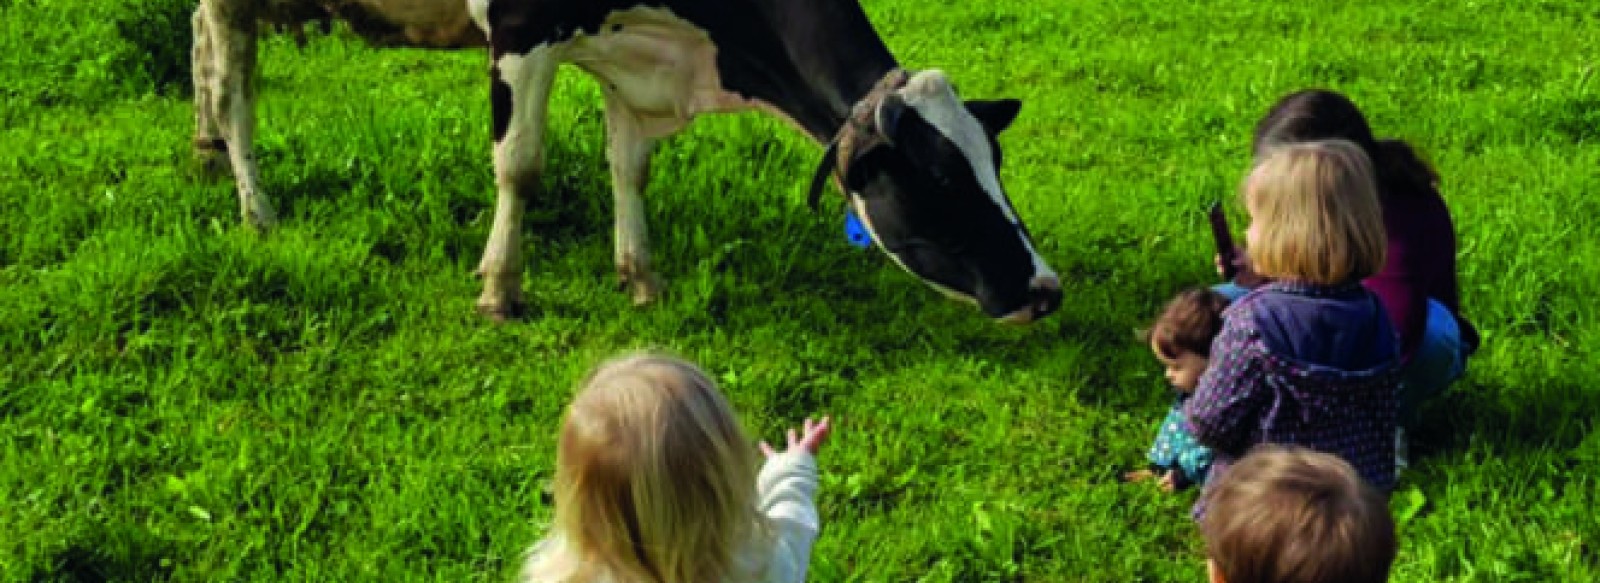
[[1169, 481], [813, 433]]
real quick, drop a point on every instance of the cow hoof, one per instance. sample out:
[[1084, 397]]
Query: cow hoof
[[211, 158], [502, 312], [260, 219], [645, 289], [501, 299], [211, 165]]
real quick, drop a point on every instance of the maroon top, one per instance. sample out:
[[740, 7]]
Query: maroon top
[[1421, 264]]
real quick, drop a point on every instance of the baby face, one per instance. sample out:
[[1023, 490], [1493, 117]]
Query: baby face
[[1183, 368]]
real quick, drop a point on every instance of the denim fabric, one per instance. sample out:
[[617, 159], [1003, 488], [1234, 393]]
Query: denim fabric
[[1438, 362], [1231, 291]]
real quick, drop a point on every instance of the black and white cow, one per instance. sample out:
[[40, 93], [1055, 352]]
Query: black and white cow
[[919, 165]]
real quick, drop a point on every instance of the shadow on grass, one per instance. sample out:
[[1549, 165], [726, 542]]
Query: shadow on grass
[[1508, 421], [89, 563]]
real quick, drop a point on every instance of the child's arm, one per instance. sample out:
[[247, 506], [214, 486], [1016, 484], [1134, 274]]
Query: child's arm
[[1231, 392], [787, 489]]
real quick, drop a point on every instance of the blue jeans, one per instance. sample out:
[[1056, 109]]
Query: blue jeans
[[1230, 290], [1438, 361]]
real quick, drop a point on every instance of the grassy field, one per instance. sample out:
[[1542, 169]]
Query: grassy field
[[183, 400]]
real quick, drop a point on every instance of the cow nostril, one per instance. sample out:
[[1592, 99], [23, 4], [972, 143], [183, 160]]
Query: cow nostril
[[1045, 300]]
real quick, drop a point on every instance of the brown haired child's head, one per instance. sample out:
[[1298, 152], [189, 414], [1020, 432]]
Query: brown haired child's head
[[1181, 336], [1293, 515], [1314, 214]]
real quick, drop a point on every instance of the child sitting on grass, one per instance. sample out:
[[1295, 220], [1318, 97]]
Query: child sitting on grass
[[1418, 282], [1181, 340], [1310, 359], [1293, 515], [657, 482]]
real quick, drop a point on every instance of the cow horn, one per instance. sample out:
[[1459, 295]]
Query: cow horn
[[869, 125], [830, 159]]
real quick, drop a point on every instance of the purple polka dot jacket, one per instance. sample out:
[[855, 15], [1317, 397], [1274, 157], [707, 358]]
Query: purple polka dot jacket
[[1308, 365]]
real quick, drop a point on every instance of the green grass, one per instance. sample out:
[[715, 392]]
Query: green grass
[[182, 400]]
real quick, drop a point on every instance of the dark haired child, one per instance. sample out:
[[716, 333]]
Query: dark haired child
[[1417, 283], [1181, 340]]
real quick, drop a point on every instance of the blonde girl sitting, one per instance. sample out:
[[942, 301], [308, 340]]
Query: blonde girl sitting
[[1181, 340], [657, 482], [1310, 359]]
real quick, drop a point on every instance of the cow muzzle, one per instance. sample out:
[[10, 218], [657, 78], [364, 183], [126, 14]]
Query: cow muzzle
[[1044, 297]]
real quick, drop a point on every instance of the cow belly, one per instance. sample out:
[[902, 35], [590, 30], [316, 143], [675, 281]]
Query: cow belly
[[418, 23], [661, 67]]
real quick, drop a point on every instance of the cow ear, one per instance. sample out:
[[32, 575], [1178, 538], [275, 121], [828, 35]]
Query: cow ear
[[887, 117], [995, 115]]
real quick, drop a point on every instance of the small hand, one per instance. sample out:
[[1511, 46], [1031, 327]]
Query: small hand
[[1169, 482], [812, 434], [1244, 270]]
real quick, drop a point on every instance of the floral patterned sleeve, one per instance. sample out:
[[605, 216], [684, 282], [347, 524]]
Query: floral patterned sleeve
[[1228, 402]]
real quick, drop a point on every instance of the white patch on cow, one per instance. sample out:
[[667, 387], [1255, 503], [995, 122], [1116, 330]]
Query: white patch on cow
[[629, 153], [226, 56], [664, 68], [518, 164], [930, 94], [478, 10], [657, 72]]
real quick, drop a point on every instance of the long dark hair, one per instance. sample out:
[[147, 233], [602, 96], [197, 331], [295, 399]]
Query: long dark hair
[[1321, 114]]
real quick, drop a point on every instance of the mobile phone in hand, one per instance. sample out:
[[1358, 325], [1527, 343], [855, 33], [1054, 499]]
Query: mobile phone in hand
[[1225, 249]]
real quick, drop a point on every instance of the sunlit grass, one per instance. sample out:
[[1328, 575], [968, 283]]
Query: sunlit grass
[[183, 400]]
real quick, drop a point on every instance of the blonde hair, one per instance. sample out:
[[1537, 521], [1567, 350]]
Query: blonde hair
[[1315, 209], [655, 480], [1292, 515]]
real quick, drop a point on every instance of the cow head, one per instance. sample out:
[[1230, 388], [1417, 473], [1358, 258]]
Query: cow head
[[921, 169]]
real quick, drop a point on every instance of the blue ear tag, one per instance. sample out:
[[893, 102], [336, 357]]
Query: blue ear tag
[[854, 231]]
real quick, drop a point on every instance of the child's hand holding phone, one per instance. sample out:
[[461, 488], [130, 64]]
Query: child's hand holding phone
[[1232, 262]]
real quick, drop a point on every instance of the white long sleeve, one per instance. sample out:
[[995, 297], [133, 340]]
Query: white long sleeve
[[787, 487]]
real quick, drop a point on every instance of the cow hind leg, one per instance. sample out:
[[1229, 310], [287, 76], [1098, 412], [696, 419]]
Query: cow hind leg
[[629, 150], [231, 39], [210, 150], [519, 100]]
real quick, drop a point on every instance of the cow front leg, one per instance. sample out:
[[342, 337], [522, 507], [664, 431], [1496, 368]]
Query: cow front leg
[[629, 150], [210, 150], [231, 36], [519, 99]]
